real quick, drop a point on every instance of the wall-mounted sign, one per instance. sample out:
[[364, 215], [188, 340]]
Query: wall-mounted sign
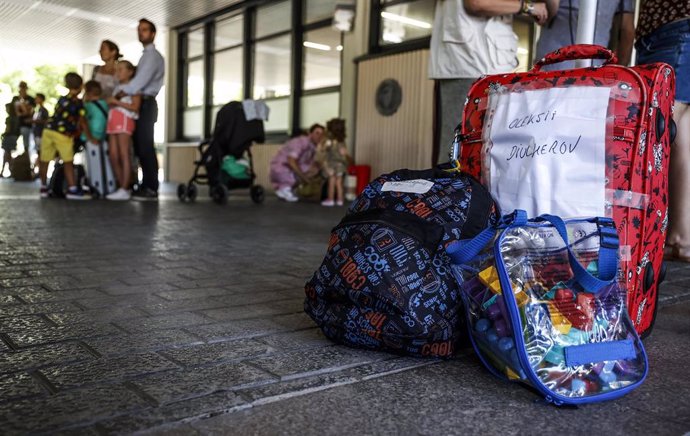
[[388, 97]]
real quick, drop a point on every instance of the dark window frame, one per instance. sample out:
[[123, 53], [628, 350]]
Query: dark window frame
[[375, 47], [248, 11]]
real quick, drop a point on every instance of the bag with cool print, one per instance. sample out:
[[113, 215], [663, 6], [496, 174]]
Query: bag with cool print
[[544, 307], [385, 282]]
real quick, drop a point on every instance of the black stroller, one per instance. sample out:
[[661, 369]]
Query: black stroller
[[232, 136]]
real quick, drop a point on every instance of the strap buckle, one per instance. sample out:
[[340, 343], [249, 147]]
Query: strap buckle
[[608, 233]]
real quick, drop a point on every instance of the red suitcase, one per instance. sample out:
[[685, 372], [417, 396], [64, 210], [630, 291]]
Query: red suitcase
[[635, 139]]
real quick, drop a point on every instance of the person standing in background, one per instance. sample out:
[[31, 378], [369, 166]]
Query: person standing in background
[[105, 74], [471, 38], [147, 82], [663, 35], [562, 28], [40, 118], [24, 109]]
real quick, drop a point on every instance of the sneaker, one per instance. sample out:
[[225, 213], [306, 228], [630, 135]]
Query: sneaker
[[339, 203], [119, 195], [44, 192], [76, 194], [145, 194], [286, 194], [328, 203]]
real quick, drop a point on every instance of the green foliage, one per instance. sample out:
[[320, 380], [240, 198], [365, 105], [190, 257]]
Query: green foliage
[[46, 79]]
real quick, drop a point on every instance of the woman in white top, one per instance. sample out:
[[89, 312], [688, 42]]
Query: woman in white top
[[106, 74]]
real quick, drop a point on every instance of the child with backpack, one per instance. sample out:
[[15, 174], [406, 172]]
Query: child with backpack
[[96, 112], [58, 137], [121, 121]]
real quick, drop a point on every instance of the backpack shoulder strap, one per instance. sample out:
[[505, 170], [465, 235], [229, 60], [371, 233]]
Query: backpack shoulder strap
[[103, 111]]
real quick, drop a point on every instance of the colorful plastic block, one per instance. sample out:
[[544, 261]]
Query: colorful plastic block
[[500, 350], [580, 313], [489, 277]]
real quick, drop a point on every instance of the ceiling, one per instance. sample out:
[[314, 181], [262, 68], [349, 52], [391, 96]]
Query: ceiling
[[70, 31]]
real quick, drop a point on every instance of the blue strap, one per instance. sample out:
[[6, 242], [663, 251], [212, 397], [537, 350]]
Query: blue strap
[[599, 352], [463, 251], [608, 253], [608, 248]]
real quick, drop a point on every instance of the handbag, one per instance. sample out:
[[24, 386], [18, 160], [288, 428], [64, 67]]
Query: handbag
[[549, 312], [311, 189]]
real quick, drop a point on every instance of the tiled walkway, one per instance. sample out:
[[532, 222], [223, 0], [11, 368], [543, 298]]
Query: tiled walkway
[[122, 317]]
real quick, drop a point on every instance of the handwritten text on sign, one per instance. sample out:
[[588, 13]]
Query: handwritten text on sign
[[546, 150]]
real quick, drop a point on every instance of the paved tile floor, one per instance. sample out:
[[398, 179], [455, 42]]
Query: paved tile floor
[[175, 318]]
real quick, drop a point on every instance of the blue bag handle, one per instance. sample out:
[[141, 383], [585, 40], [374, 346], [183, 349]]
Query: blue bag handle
[[608, 253], [463, 251]]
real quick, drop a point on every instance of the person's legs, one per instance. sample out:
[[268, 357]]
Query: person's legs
[[6, 161], [69, 174], [144, 146], [37, 144], [48, 150], [123, 146], [331, 187], [452, 96], [9, 144], [331, 191], [114, 155], [339, 189], [26, 138], [679, 184]]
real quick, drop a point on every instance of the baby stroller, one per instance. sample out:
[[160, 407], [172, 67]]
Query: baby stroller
[[232, 136]]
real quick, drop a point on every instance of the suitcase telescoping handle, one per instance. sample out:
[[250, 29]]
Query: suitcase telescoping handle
[[574, 52]]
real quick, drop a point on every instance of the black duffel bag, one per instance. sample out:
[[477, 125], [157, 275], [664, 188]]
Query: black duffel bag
[[385, 283]]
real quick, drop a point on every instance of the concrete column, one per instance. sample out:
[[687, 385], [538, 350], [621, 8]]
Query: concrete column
[[586, 22], [354, 45]]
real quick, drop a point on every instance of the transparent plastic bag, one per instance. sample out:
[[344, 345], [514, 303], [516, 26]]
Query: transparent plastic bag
[[563, 326]]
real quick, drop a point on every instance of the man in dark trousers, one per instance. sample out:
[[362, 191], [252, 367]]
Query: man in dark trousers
[[147, 81]]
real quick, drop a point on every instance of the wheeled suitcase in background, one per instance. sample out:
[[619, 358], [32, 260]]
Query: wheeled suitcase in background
[[98, 169], [603, 137]]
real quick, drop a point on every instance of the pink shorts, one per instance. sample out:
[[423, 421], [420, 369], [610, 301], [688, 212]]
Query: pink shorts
[[118, 122]]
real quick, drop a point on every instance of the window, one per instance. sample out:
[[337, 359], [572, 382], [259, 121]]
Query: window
[[272, 72], [272, 80], [228, 61], [229, 32], [319, 108], [317, 10], [322, 49], [405, 21], [228, 83], [273, 19], [195, 43], [261, 52], [193, 66]]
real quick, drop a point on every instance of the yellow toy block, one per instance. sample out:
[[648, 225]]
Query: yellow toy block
[[559, 321], [489, 278], [511, 374]]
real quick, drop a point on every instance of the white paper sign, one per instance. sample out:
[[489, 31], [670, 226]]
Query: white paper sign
[[545, 150], [417, 186]]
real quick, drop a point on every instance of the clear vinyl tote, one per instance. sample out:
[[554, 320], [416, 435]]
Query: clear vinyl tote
[[544, 307]]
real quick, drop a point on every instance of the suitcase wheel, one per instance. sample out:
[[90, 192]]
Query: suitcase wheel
[[648, 277], [660, 124], [672, 131]]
